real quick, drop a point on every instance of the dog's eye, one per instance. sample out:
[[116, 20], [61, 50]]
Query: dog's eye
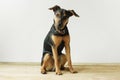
[[58, 14], [64, 14]]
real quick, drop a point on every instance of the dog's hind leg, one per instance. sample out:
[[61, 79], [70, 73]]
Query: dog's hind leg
[[63, 60], [48, 63]]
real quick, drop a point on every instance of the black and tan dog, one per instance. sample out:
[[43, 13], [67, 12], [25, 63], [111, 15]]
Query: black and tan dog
[[57, 38]]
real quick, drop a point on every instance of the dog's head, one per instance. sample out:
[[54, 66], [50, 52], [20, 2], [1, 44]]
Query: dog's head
[[62, 16]]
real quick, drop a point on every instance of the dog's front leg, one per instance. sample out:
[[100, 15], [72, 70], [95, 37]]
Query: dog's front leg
[[56, 42], [55, 56], [68, 55], [67, 48]]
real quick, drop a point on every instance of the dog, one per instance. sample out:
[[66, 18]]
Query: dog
[[57, 38]]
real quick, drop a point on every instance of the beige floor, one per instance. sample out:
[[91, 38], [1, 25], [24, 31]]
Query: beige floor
[[31, 71]]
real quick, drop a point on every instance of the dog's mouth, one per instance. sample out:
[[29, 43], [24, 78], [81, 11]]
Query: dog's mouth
[[61, 31]]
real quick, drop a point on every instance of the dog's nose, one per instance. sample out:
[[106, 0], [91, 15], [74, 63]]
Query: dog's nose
[[59, 26], [60, 23]]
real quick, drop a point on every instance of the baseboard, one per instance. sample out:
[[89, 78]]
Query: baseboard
[[37, 63]]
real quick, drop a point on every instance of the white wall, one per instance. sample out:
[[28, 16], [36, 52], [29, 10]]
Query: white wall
[[95, 36]]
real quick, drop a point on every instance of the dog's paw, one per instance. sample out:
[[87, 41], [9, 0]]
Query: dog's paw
[[73, 71], [43, 71], [58, 72]]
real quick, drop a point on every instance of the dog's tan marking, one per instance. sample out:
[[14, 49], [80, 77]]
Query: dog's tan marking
[[57, 20], [64, 14], [57, 40]]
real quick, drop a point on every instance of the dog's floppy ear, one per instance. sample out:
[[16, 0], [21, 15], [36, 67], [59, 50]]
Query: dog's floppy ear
[[72, 12], [55, 8]]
